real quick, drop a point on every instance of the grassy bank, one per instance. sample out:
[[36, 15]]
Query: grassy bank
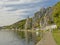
[[56, 35]]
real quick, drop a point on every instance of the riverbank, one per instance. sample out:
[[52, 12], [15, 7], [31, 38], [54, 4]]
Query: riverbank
[[56, 35]]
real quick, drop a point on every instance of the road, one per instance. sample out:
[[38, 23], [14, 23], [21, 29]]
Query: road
[[47, 39]]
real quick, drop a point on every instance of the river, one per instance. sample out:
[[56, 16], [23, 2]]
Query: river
[[11, 38]]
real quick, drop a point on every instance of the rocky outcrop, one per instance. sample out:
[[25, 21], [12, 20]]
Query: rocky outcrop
[[43, 17]]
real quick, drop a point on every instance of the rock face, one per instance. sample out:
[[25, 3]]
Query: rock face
[[43, 17], [28, 23], [37, 16], [40, 13]]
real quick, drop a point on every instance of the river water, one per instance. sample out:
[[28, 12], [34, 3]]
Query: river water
[[11, 38]]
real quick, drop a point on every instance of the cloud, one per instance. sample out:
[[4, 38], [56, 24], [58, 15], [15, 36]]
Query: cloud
[[9, 17], [7, 20], [8, 2], [12, 11]]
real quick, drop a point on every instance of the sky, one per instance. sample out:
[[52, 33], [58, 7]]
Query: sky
[[12, 11]]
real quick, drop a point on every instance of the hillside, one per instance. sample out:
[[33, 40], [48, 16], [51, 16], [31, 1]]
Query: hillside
[[56, 14], [19, 24], [40, 17]]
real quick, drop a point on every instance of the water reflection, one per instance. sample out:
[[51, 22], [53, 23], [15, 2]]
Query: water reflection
[[11, 38]]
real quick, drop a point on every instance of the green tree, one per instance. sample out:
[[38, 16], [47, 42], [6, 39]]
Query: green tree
[[56, 14]]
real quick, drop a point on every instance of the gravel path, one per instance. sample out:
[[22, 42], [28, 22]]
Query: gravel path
[[47, 39]]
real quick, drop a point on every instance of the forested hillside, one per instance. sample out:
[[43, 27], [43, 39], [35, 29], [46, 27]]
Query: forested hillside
[[19, 24], [56, 13], [39, 15]]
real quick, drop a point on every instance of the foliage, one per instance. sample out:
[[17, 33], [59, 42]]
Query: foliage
[[18, 25], [56, 14]]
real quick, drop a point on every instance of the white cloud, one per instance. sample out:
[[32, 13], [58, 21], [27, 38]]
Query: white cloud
[[4, 11], [7, 2], [9, 17]]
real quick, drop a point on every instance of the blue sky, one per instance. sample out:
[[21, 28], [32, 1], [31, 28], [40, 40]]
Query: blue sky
[[12, 11]]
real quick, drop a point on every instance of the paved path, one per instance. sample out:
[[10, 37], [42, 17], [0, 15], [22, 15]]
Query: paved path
[[47, 39]]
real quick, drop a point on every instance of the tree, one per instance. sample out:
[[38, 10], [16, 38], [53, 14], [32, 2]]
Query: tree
[[56, 14]]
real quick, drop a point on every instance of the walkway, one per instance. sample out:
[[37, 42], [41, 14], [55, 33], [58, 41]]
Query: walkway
[[47, 39]]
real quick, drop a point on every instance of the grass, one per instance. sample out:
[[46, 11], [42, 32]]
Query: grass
[[56, 35]]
